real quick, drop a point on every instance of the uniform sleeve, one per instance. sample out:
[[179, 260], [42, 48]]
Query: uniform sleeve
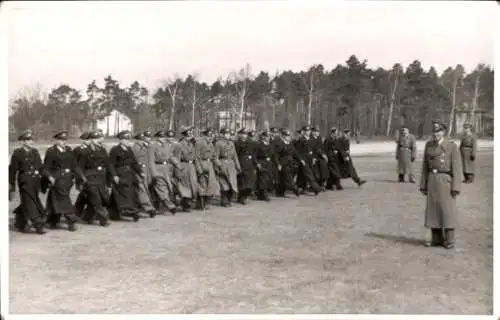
[[152, 160], [112, 158], [413, 147], [13, 168], [235, 159], [135, 164], [425, 170], [49, 156], [474, 146], [456, 168], [174, 154], [75, 167]]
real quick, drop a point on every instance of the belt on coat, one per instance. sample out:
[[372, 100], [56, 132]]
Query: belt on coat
[[187, 161], [29, 172], [264, 158], [247, 156], [142, 165], [65, 171], [99, 168], [436, 171], [161, 162], [469, 147]]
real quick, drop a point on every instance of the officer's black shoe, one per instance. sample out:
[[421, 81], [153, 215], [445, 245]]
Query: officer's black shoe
[[104, 223], [431, 244], [72, 226], [136, 217], [411, 180], [53, 226], [297, 192], [401, 178], [173, 210], [361, 182], [39, 229], [449, 246], [152, 213], [339, 187]]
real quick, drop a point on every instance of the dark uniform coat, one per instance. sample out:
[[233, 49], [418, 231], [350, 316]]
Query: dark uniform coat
[[332, 149], [265, 170], [246, 156], [288, 159], [60, 163], [441, 170], [321, 165], [306, 174], [97, 171], [468, 148], [126, 167], [26, 166]]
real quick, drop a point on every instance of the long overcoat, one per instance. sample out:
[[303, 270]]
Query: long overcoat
[[406, 150], [186, 173], [205, 156], [227, 165], [468, 148], [245, 149], [441, 173], [265, 173]]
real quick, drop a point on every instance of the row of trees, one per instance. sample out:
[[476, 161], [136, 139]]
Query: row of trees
[[369, 101]]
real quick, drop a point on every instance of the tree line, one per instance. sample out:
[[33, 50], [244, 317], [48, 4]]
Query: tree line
[[371, 102]]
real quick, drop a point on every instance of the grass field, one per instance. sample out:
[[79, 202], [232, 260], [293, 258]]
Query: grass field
[[355, 251]]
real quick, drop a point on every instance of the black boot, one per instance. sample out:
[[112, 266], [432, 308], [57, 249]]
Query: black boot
[[224, 199], [436, 238], [71, 226], [401, 178], [39, 228], [152, 213], [449, 238]]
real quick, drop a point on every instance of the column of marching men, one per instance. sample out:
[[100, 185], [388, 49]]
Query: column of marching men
[[158, 174], [146, 174]]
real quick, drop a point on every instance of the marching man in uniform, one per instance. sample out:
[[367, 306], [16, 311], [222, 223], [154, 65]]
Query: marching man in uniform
[[60, 170], [468, 148], [26, 165], [406, 151], [143, 196], [440, 183]]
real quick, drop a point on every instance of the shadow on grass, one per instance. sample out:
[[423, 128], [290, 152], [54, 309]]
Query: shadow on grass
[[398, 239]]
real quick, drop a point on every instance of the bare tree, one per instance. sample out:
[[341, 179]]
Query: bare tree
[[396, 71], [475, 97], [241, 83], [457, 78], [172, 85]]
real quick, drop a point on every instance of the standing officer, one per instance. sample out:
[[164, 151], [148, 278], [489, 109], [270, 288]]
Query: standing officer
[[468, 148], [227, 167], [142, 192], [265, 166], [332, 148], [207, 180], [61, 168], [286, 160], [440, 183], [125, 166], [274, 136], [245, 149], [79, 152], [186, 173], [161, 161], [318, 148], [346, 164], [96, 169], [406, 152], [26, 166], [305, 175]]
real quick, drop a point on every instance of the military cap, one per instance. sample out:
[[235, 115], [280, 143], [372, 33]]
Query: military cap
[[346, 131], [26, 135], [93, 135], [439, 127], [61, 135], [147, 134], [243, 131], [306, 128], [251, 133], [224, 131], [274, 130], [139, 136], [232, 132], [160, 134], [124, 134], [264, 134], [207, 131], [185, 129], [333, 129], [314, 129], [170, 133], [285, 132], [467, 125], [84, 136]]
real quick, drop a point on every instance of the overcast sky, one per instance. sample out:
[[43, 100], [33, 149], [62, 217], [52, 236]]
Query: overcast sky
[[74, 43]]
